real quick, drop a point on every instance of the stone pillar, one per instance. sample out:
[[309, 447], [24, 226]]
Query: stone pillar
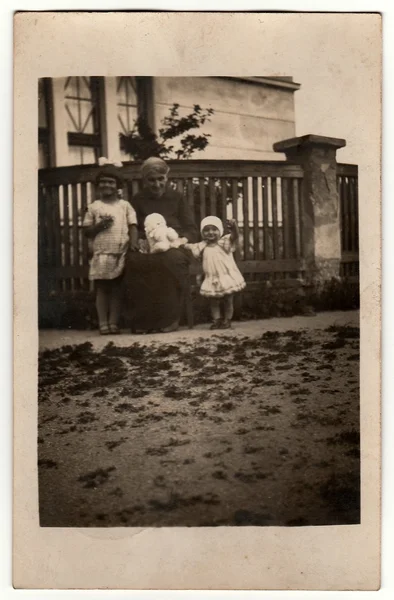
[[320, 202]]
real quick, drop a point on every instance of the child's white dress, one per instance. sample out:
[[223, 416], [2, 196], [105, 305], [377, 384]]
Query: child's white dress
[[110, 245], [222, 275]]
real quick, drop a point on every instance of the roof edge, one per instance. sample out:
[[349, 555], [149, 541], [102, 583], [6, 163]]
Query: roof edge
[[273, 81]]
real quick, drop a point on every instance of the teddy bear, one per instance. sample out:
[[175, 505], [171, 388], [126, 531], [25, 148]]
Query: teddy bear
[[160, 237]]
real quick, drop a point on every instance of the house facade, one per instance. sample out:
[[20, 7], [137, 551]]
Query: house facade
[[81, 118]]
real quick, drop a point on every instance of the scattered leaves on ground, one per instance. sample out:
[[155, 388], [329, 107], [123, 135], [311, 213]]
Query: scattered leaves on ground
[[231, 430]]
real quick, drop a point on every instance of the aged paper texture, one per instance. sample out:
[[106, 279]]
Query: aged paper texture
[[337, 58]]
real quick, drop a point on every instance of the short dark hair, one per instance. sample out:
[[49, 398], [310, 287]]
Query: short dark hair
[[110, 172]]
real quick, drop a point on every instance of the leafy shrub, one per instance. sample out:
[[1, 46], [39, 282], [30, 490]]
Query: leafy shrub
[[76, 310], [173, 138]]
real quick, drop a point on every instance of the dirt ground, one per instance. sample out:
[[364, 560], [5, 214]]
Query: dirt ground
[[256, 426]]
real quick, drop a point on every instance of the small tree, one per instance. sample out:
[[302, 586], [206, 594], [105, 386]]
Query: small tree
[[142, 142]]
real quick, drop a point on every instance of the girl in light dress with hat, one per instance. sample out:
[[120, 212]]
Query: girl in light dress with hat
[[222, 276]]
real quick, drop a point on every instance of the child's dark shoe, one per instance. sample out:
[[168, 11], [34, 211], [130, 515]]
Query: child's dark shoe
[[114, 329], [104, 330], [226, 324], [217, 324]]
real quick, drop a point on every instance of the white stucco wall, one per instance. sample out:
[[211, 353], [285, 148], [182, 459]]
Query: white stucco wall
[[248, 119]]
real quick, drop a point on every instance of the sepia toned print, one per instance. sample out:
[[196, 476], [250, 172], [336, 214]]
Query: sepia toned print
[[193, 428], [199, 373]]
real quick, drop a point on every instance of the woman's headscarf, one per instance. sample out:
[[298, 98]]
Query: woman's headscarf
[[211, 220], [154, 165]]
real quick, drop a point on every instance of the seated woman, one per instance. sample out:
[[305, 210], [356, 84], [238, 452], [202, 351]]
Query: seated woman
[[155, 283]]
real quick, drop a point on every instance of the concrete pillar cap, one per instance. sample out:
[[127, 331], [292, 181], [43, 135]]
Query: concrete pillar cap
[[308, 140]]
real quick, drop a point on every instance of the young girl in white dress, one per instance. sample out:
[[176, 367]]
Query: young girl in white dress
[[111, 225], [222, 276]]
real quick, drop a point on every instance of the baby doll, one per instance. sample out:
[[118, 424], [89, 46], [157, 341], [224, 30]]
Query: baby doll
[[160, 237]]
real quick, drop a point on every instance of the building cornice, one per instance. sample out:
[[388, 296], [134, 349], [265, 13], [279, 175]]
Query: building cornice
[[277, 82]]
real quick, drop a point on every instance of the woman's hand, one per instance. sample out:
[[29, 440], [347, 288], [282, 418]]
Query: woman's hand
[[134, 246], [143, 246]]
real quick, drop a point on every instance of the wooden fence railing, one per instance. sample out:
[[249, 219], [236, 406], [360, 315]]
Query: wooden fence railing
[[348, 206], [264, 197]]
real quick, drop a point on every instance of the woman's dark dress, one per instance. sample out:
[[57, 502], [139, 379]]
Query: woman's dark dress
[[155, 283]]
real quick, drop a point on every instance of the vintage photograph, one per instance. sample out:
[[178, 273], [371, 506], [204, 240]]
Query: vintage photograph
[[198, 306]]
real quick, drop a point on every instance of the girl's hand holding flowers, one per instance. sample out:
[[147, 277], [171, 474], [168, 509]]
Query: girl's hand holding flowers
[[105, 222]]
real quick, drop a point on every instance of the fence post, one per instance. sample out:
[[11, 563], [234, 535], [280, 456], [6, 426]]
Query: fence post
[[320, 202]]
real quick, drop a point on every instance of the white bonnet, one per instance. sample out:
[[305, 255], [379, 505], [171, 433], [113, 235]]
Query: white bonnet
[[211, 220]]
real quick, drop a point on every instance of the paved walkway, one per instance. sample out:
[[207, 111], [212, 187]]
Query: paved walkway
[[54, 338]]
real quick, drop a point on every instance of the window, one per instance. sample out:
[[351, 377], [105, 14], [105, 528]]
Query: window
[[127, 100], [127, 104], [81, 101], [134, 99]]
